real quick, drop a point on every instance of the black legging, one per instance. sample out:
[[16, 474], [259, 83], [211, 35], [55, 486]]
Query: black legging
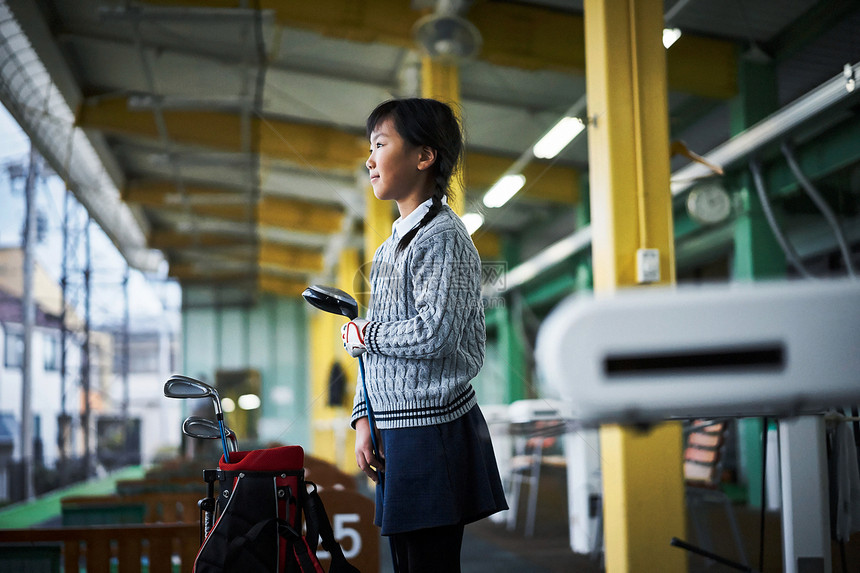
[[432, 550]]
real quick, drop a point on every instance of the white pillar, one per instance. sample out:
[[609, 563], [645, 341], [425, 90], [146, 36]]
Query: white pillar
[[805, 505], [582, 454]]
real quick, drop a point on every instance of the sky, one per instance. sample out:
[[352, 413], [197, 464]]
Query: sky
[[154, 298]]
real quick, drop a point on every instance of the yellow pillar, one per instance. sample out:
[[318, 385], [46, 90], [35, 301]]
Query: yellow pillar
[[323, 332], [378, 217], [629, 171], [333, 439], [440, 80]]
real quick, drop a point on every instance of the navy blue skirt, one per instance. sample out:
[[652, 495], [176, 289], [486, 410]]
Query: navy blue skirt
[[438, 475]]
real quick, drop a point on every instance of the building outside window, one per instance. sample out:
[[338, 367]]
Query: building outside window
[[13, 352], [51, 352]]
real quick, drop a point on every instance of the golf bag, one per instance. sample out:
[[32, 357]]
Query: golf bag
[[259, 524]]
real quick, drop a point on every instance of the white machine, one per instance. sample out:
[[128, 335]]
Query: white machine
[[789, 350], [649, 354]]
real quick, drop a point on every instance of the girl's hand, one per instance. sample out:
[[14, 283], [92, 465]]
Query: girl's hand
[[367, 462], [352, 334]]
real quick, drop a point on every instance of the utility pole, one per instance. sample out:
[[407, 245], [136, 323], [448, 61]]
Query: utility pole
[[126, 357], [65, 422], [85, 359], [29, 316]]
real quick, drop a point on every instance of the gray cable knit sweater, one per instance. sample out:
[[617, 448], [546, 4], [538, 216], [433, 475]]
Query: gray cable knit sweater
[[426, 335]]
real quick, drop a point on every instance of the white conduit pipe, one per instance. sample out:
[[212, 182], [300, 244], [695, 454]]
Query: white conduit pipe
[[772, 128]]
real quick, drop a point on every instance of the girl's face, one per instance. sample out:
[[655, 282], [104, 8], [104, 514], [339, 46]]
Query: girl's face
[[398, 170]]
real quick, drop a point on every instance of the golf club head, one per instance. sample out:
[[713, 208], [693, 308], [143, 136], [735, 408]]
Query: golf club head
[[201, 428], [331, 300], [179, 386], [206, 429]]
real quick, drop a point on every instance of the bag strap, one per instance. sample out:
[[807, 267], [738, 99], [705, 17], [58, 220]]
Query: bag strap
[[303, 547], [247, 546], [306, 557], [318, 526]]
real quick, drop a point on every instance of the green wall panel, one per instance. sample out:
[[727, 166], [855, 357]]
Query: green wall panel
[[270, 337]]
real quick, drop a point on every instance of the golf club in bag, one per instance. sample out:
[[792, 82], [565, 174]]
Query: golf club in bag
[[264, 501], [183, 387], [205, 429]]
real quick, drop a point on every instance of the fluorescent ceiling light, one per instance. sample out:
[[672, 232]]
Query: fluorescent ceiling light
[[473, 221], [670, 36], [503, 190], [558, 137]]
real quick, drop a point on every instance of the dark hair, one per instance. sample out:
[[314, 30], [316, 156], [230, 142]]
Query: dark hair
[[421, 121]]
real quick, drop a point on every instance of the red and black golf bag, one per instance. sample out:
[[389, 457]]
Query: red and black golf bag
[[259, 518]]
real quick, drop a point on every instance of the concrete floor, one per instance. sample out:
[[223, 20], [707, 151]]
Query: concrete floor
[[489, 548]]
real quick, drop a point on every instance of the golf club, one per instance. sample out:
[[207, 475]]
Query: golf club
[[205, 429], [331, 300], [179, 386], [336, 301]]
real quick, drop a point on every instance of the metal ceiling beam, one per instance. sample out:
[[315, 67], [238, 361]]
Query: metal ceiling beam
[[544, 181], [534, 38], [266, 280], [515, 35], [299, 215], [290, 214], [810, 26], [315, 146], [173, 240], [281, 286], [310, 146], [185, 271], [294, 91], [271, 257], [164, 194], [290, 258]]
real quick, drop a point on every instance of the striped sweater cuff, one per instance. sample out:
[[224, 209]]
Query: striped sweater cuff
[[359, 411], [370, 332]]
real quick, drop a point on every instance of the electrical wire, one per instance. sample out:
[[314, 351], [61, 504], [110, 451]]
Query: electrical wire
[[819, 201], [790, 254]]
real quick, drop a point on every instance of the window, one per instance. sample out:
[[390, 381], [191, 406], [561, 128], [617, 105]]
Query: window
[[13, 354], [51, 352]]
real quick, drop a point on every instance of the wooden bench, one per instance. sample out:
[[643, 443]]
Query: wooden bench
[[93, 549], [158, 507]]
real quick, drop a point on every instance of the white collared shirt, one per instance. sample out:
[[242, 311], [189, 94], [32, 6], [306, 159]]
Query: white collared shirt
[[405, 224]]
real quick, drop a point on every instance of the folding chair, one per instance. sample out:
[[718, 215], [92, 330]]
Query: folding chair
[[535, 427]]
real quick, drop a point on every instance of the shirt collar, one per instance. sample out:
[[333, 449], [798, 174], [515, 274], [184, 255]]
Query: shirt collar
[[405, 224]]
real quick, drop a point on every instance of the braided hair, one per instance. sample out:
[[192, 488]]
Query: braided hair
[[420, 122]]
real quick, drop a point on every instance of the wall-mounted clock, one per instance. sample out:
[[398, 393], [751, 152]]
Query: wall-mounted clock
[[709, 203]]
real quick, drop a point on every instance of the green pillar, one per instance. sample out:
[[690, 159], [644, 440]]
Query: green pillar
[[512, 351], [757, 255]]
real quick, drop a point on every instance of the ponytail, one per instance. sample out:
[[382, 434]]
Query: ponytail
[[435, 208]]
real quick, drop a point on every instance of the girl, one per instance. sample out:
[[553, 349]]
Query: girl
[[424, 338]]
